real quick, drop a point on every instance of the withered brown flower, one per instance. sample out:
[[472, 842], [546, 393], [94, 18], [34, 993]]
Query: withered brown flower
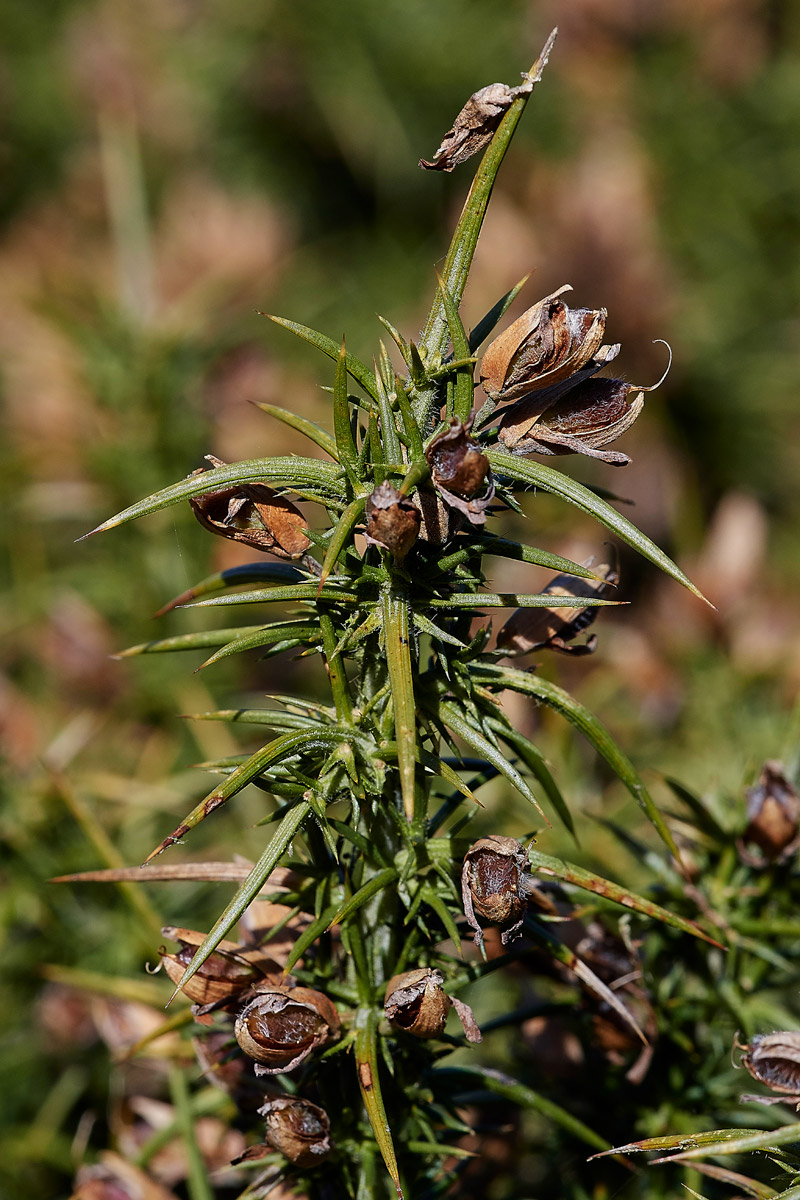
[[490, 885], [774, 1060], [530, 629], [773, 812], [224, 975], [392, 520], [546, 348], [460, 472], [298, 1129], [282, 1026], [417, 1003], [587, 417], [254, 514]]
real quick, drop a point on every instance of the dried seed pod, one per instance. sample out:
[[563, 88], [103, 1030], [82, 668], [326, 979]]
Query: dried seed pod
[[773, 812], [392, 520], [254, 514], [417, 1003], [490, 885], [543, 349], [225, 973], [460, 472], [282, 1026], [438, 521], [480, 116], [530, 629], [298, 1129], [589, 416], [774, 1060]]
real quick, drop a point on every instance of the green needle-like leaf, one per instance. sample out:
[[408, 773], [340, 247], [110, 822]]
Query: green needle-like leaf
[[464, 391], [249, 889], [366, 1030], [480, 332], [340, 535], [343, 430], [299, 591], [512, 600], [560, 701], [534, 761], [537, 475], [397, 646], [711, 1141], [203, 640], [258, 572], [364, 894], [264, 635], [357, 369], [310, 429]]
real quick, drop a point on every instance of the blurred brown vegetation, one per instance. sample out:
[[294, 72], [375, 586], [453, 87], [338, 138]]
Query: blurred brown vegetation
[[171, 167]]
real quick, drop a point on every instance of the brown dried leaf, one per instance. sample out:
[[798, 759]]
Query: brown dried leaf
[[530, 629], [254, 514]]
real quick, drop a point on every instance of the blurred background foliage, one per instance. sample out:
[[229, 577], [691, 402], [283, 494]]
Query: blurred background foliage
[[170, 168]]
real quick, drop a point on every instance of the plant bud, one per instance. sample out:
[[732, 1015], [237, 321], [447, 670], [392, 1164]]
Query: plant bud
[[773, 811], [392, 520], [282, 1026], [774, 1060], [589, 416], [544, 347], [254, 514], [460, 472], [490, 885], [530, 629], [298, 1129], [224, 974]]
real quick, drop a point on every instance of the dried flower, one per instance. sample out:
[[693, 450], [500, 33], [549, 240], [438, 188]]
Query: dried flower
[[225, 973], [417, 1003], [282, 1026], [460, 472], [544, 349], [773, 811], [490, 885], [589, 416], [254, 514], [774, 1060], [392, 520], [530, 629], [298, 1129]]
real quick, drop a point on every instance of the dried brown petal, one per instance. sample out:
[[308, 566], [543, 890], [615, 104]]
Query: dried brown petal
[[589, 416], [774, 1060], [392, 520], [530, 629], [225, 973], [544, 349], [460, 472], [490, 881], [254, 514], [773, 811], [298, 1129], [417, 1003], [480, 116], [282, 1026]]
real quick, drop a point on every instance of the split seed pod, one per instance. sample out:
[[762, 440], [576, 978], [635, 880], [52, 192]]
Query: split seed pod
[[254, 514], [417, 1003], [392, 520], [298, 1129], [490, 885], [589, 416], [282, 1026], [225, 973], [460, 472], [774, 1060], [773, 811], [543, 348], [530, 629]]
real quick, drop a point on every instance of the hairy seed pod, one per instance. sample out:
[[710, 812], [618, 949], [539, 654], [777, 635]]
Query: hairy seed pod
[[543, 349], [254, 514], [490, 885], [530, 629], [298, 1129], [773, 812], [392, 520], [282, 1026], [774, 1060], [225, 973]]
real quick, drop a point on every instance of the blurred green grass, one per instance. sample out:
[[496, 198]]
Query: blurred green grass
[[171, 168]]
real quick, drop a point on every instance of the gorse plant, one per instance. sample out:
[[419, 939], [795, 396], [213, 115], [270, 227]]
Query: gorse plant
[[336, 1007]]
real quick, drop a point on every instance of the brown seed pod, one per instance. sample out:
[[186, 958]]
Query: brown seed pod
[[774, 1060], [254, 514], [392, 520], [460, 472], [543, 349], [225, 973], [298, 1129], [773, 812], [589, 416], [490, 885], [530, 629], [417, 1003], [282, 1026]]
